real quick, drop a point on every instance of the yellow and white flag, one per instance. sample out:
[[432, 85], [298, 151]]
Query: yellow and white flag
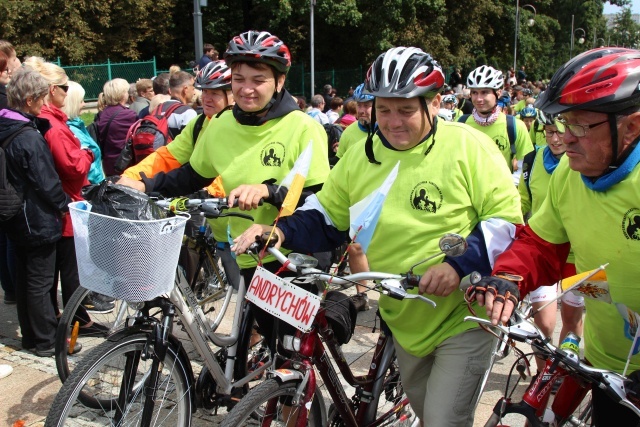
[[590, 284], [294, 181]]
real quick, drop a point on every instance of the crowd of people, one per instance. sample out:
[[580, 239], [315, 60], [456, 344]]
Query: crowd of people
[[570, 147]]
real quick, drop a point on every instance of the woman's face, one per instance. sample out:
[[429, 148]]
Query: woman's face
[[4, 77], [57, 95], [252, 87], [34, 105]]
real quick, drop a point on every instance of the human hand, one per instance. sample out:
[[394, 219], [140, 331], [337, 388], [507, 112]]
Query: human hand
[[248, 195], [439, 280], [499, 294], [137, 185], [246, 239]]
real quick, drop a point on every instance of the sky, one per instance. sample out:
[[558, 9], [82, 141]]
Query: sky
[[635, 7]]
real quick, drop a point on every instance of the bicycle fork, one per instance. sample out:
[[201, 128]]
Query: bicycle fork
[[156, 349]]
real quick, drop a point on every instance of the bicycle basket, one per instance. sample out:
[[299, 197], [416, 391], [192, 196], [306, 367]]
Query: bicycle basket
[[126, 259], [341, 315]]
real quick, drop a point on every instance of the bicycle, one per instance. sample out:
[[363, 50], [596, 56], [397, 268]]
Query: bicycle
[[285, 397], [209, 284], [578, 377], [142, 373]]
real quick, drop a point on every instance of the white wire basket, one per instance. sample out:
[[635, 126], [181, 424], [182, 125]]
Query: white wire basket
[[126, 259]]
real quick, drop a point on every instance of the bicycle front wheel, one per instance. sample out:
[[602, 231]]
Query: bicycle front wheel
[[272, 401], [103, 325], [114, 377]]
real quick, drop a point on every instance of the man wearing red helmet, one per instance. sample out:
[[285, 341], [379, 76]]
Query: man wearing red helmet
[[450, 179], [593, 205]]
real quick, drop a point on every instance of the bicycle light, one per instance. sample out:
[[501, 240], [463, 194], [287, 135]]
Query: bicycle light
[[291, 343]]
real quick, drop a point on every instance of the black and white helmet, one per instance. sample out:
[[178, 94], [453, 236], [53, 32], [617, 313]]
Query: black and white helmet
[[214, 75], [259, 46], [485, 77], [404, 72]]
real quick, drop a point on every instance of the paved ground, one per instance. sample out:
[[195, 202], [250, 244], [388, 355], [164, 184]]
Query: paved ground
[[27, 394]]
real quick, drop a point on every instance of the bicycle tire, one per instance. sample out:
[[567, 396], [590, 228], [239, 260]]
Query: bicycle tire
[[212, 288], [582, 415], [173, 406], [114, 321], [244, 413]]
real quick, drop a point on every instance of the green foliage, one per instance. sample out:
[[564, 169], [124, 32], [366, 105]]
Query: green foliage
[[87, 118], [348, 33]]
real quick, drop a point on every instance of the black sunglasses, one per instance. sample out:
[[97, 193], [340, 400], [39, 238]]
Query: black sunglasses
[[65, 88]]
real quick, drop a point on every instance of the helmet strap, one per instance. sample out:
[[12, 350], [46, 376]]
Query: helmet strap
[[368, 145], [432, 124]]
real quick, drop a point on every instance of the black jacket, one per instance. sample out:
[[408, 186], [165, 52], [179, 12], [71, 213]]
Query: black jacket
[[31, 171]]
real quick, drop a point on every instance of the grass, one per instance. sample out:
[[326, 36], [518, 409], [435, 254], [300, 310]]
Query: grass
[[87, 118]]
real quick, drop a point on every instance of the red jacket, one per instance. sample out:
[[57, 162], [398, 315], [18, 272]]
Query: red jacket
[[72, 162]]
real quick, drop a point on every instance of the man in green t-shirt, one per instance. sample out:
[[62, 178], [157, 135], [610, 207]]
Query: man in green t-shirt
[[450, 179], [358, 130], [592, 205], [486, 84]]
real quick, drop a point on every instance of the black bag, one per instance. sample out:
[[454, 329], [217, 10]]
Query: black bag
[[10, 199], [341, 314], [120, 201]]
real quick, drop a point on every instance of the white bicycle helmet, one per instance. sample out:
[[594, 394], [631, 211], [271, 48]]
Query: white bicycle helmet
[[446, 114], [404, 72], [485, 77], [451, 99]]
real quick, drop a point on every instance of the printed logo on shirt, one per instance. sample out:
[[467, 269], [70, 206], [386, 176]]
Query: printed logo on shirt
[[273, 154], [631, 224], [502, 142], [426, 196]]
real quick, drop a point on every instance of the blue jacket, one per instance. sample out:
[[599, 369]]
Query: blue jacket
[[96, 174]]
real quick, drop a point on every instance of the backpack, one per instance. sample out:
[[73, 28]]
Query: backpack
[[10, 199], [511, 130], [527, 165], [146, 135]]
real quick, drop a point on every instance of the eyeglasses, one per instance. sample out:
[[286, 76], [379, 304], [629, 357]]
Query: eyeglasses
[[65, 88], [550, 133], [580, 131]]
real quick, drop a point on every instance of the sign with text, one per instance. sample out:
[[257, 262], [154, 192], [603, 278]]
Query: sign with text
[[283, 300]]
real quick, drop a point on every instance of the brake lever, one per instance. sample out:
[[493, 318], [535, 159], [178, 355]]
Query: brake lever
[[236, 214], [395, 289]]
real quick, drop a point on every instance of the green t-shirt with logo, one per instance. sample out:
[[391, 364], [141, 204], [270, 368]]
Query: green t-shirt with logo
[[497, 131], [603, 227], [256, 154], [181, 149], [463, 180], [350, 136]]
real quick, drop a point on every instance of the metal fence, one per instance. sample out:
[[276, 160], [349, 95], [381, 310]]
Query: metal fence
[[92, 77], [299, 81]]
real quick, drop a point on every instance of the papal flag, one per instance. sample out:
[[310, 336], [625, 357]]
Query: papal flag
[[365, 214], [294, 181], [590, 284]]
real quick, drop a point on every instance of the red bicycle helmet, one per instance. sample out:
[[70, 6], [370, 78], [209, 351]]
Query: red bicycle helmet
[[259, 46], [603, 80], [214, 75], [404, 72]]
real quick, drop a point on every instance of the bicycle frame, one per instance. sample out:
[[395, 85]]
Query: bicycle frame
[[312, 352]]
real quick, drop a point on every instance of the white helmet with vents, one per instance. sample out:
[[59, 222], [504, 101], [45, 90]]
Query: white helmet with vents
[[485, 77]]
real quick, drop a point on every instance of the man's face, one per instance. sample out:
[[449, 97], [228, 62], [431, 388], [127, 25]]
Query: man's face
[[519, 96], [591, 154], [484, 100], [364, 112], [403, 122], [252, 87], [215, 100], [528, 121], [149, 93]]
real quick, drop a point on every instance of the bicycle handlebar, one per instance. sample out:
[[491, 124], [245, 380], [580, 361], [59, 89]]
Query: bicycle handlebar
[[210, 208], [393, 285], [524, 330]]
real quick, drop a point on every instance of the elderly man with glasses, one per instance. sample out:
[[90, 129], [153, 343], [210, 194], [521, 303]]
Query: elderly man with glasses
[[592, 205]]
